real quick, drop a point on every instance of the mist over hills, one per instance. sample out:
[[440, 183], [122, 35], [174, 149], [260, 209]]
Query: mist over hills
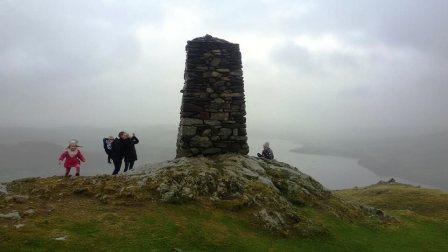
[[421, 158], [29, 152], [39, 159], [408, 154]]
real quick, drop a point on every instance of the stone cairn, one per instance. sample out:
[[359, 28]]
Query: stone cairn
[[212, 117]]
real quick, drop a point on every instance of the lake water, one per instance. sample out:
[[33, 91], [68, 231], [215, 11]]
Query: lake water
[[333, 172]]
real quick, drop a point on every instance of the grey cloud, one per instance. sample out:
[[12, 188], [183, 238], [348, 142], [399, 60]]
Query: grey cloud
[[416, 24], [293, 56], [40, 41], [305, 62], [357, 92], [58, 53]]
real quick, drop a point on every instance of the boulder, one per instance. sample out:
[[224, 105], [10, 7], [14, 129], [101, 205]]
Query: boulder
[[14, 215]]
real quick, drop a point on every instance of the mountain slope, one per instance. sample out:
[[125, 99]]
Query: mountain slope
[[227, 202]]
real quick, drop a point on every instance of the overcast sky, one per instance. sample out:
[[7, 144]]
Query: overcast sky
[[307, 64]]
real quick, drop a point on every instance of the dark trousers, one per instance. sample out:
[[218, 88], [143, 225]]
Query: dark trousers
[[128, 165], [117, 165]]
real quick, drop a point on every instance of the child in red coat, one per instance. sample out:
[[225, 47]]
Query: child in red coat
[[73, 158]]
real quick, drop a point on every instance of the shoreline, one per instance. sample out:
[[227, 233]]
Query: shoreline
[[364, 163]]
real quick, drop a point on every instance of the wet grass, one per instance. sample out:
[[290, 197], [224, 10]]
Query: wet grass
[[395, 196], [89, 226]]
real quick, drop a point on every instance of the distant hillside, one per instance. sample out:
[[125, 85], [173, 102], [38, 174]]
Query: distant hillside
[[157, 142], [421, 158], [41, 159], [402, 197], [28, 152]]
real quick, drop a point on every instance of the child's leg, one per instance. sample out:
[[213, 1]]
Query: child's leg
[[108, 159], [131, 164], [126, 165], [77, 167], [67, 171], [117, 165]]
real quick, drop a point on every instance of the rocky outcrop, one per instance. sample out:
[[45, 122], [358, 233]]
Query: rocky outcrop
[[3, 189], [273, 194], [230, 176], [12, 215], [212, 117]]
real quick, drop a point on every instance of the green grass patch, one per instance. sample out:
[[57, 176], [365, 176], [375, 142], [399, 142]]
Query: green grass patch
[[396, 196], [191, 227]]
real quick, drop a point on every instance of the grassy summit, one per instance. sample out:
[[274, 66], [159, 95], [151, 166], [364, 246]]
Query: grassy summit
[[227, 202], [401, 197]]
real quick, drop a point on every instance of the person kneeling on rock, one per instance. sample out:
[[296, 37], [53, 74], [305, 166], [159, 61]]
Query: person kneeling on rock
[[267, 152]]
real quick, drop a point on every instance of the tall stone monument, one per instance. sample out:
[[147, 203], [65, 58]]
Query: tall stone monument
[[212, 117]]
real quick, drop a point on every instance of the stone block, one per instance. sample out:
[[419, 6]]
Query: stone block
[[191, 107], [200, 141], [225, 132], [188, 130], [211, 151], [212, 122], [204, 115], [215, 61], [207, 132], [191, 121], [219, 116]]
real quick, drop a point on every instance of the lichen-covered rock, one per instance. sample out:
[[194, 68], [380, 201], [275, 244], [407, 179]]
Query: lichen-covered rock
[[271, 220], [271, 192], [269, 188], [3, 189], [14, 215], [17, 198]]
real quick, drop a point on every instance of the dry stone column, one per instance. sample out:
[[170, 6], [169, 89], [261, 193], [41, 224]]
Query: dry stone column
[[212, 117]]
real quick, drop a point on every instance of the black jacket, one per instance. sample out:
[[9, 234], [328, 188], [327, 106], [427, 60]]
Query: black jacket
[[118, 148], [267, 153], [130, 154]]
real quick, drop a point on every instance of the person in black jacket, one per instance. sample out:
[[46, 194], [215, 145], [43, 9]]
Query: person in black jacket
[[118, 149], [130, 154], [267, 152]]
